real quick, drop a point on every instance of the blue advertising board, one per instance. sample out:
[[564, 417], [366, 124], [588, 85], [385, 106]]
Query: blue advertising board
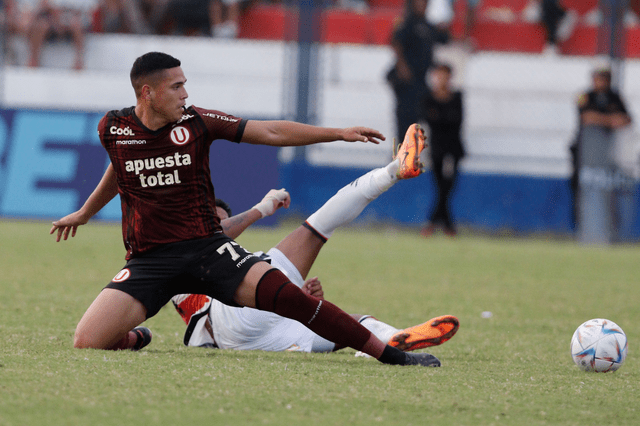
[[487, 202], [51, 161]]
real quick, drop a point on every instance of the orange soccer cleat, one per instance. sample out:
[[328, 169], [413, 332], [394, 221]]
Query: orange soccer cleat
[[409, 153], [434, 332], [188, 305]]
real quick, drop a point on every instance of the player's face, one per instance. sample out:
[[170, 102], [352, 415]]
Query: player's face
[[168, 95], [222, 213]]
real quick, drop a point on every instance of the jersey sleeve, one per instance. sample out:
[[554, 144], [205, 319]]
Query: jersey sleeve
[[102, 125], [222, 126]]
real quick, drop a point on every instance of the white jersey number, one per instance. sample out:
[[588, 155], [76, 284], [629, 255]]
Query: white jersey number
[[229, 247]]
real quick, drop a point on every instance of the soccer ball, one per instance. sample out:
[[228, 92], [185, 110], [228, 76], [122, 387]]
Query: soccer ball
[[599, 345]]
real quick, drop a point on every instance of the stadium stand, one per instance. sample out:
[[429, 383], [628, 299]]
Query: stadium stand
[[500, 25]]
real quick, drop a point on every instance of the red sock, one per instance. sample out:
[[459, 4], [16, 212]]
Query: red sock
[[275, 293]]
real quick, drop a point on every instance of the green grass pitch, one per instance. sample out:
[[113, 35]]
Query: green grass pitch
[[513, 368]]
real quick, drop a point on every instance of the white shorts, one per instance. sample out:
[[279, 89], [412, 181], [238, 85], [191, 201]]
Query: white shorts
[[251, 329]]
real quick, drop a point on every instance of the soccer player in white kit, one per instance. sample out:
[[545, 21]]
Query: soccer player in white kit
[[213, 324]]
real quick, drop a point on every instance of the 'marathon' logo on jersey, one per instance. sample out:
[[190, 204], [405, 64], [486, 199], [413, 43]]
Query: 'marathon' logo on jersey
[[158, 179]]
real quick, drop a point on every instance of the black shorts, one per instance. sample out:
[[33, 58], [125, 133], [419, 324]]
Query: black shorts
[[213, 266]]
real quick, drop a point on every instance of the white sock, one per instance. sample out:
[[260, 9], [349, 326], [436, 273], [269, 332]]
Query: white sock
[[349, 202], [379, 329]]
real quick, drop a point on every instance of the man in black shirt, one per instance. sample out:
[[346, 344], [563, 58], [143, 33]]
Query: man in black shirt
[[413, 42], [603, 107], [442, 110]]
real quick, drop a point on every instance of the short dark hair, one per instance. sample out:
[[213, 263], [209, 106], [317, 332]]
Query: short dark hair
[[603, 72], [148, 64], [224, 206]]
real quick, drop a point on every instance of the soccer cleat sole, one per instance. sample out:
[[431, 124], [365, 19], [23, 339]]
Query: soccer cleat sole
[[432, 333], [408, 152]]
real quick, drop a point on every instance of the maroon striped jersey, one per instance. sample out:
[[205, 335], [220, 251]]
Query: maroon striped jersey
[[163, 175]]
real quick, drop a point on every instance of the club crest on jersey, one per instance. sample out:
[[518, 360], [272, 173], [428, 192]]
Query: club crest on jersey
[[122, 276], [180, 135]]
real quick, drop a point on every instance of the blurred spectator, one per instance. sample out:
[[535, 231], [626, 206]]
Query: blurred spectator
[[190, 17], [225, 16], [442, 110], [470, 12], [413, 42], [15, 23], [558, 22], [443, 11], [122, 16], [600, 106], [52, 20]]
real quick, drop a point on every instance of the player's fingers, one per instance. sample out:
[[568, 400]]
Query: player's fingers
[[73, 232], [286, 202], [374, 135], [319, 293], [282, 194]]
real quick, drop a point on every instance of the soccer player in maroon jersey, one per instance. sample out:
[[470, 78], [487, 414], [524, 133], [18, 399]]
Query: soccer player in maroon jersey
[[159, 153]]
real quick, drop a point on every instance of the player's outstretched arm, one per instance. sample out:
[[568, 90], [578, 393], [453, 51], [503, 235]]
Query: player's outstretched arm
[[289, 133], [104, 192], [275, 199]]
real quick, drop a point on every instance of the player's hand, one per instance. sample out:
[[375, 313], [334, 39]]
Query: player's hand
[[275, 199], [68, 224], [313, 287], [362, 134]]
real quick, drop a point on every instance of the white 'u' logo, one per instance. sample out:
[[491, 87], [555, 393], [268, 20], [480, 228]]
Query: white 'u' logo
[[179, 135]]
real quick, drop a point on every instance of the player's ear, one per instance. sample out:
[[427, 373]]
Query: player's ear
[[145, 92]]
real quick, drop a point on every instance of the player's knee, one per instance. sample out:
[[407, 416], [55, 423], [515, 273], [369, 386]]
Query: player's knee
[[82, 339]]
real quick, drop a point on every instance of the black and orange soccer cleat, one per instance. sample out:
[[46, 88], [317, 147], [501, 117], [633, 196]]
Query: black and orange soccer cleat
[[423, 359], [409, 153], [143, 335], [434, 332]]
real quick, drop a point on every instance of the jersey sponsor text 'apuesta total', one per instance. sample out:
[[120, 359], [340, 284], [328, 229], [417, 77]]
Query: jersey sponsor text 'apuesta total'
[[164, 176]]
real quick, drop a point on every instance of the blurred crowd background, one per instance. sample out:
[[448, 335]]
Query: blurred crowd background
[[522, 69], [571, 27]]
